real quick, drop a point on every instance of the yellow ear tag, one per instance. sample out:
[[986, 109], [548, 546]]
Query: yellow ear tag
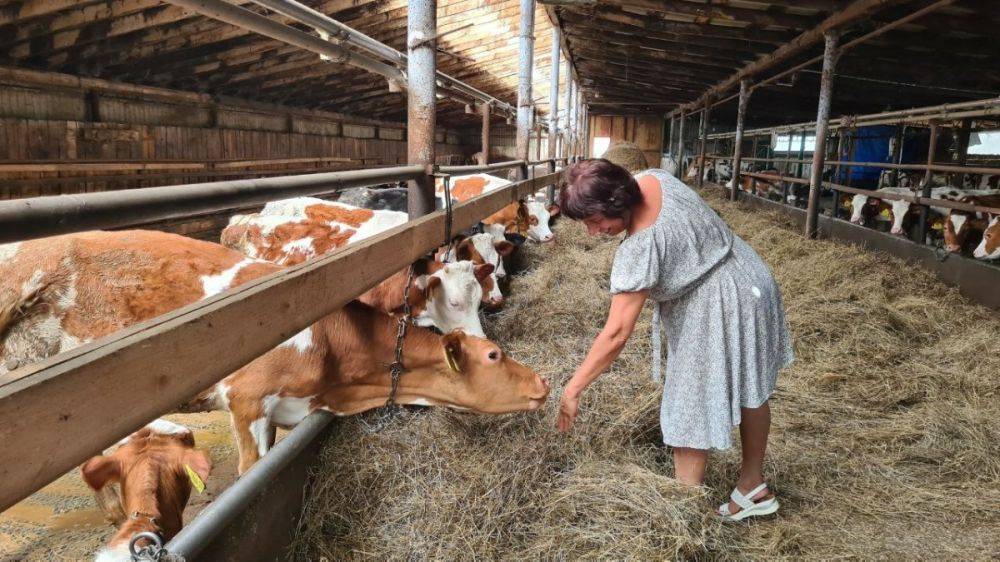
[[450, 359], [885, 213], [196, 481], [937, 226]]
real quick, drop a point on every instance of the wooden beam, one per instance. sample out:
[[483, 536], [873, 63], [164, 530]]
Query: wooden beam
[[53, 416]]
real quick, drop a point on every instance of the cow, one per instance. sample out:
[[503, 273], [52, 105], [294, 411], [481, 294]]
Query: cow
[[718, 171], [898, 211], [144, 482], [960, 224], [289, 231], [989, 247], [64, 291], [385, 199], [764, 187], [531, 221], [482, 249]]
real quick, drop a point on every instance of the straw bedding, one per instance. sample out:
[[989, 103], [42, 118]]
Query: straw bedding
[[885, 442]]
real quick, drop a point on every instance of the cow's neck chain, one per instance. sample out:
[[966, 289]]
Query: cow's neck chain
[[396, 367]]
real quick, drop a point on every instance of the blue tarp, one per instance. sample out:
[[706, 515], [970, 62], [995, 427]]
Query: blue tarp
[[871, 144]]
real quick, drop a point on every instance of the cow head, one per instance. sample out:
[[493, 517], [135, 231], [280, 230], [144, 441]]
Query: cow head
[[989, 248], [899, 211], [484, 249], [155, 468], [858, 203], [449, 296], [957, 227], [478, 376], [539, 215]]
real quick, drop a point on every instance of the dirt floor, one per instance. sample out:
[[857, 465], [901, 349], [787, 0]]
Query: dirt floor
[[885, 442], [62, 522]]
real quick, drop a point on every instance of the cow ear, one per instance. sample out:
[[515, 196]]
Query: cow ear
[[483, 271], [464, 251], [504, 248], [452, 343], [432, 283], [522, 211], [100, 470], [554, 210], [199, 462]]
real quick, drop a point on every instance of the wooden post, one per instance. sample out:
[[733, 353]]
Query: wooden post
[[928, 176], [669, 143], [704, 141], [421, 27], [680, 147], [484, 157], [822, 124], [526, 57], [741, 113], [962, 150]]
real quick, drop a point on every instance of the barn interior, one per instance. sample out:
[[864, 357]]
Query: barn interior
[[107, 95]]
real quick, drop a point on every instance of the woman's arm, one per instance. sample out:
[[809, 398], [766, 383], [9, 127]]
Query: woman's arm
[[625, 309]]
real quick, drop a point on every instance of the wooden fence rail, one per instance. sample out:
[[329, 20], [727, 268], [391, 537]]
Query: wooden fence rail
[[57, 413]]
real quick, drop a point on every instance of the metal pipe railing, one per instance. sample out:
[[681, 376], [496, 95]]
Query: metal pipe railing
[[233, 501], [22, 219], [456, 170]]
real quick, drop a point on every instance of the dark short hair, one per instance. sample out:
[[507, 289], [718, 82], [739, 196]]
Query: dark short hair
[[598, 186]]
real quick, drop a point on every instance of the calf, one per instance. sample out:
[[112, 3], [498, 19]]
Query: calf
[[960, 224], [290, 231], [154, 470], [989, 248], [482, 249], [530, 219], [57, 291]]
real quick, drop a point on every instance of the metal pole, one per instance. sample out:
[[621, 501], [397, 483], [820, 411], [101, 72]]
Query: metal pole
[[554, 90], [802, 151], [928, 176], [962, 152], [822, 124], [526, 57], [897, 153], [704, 141], [484, 158], [836, 173], [246, 19], [670, 137], [586, 131], [568, 129], [741, 113], [538, 143], [421, 48], [680, 147]]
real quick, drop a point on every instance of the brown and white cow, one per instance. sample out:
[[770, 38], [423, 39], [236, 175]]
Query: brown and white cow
[[989, 247], [64, 291], [143, 484], [482, 249], [289, 231], [961, 224], [528, 218]]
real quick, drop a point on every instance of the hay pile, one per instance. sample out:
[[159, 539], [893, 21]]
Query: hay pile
[[628, 156], [886, 439]]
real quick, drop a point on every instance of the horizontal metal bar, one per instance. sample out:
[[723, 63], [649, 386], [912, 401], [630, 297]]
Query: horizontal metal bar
[[775, 178], [22, 219], [480, 169], [884, 165], [231, 503]]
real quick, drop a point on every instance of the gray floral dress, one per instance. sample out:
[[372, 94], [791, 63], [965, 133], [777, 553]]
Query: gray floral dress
[[727, 336]]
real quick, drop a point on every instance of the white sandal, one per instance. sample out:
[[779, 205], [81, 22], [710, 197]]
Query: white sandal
[[747, 506]]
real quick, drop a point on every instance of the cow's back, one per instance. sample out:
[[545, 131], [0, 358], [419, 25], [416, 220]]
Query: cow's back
[[60, 292]]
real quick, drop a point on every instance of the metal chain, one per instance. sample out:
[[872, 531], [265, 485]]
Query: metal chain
[[153, 552], [396, 367]]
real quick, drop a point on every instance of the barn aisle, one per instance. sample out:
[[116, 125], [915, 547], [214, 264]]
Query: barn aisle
[[885, 438]]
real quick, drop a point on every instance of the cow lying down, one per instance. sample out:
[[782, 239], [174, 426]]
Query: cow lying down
[[144, 482], [64, 291]]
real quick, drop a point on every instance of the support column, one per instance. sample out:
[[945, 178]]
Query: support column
[[897, 154], [830, 55], [669, 144], [741, 113], [962, 150], [802, 153], [680, 147], [836, 174], [421, 27], [526, 57], [587, 144], [705, 115], [484, 157], [554, 90], [567, 132], [928, 176]]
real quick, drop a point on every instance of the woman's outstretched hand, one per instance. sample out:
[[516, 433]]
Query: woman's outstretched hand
[[568, 409]]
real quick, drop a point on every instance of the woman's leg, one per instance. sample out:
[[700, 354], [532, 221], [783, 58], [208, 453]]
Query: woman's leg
[[755, 426], [689, 465]]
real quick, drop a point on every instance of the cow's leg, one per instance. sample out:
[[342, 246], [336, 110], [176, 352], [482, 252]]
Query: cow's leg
[[253, 432]]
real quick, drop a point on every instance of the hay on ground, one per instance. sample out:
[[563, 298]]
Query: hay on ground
[[628, 156], [885, 443]]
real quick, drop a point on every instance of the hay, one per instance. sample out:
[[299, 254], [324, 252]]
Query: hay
[[886, 438], [628, 156]]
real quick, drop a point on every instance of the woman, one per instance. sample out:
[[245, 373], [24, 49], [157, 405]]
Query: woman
[[727, 336]]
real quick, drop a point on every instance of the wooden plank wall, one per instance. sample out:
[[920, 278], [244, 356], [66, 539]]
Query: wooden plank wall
[[646, 131], [44, 118], [503, 142]]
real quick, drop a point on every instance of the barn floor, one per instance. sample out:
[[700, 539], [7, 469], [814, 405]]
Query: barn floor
[[886, 438]]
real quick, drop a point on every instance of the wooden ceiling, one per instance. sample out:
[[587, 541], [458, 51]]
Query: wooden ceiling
[[652, 55], [154, 43], [630, 55]]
